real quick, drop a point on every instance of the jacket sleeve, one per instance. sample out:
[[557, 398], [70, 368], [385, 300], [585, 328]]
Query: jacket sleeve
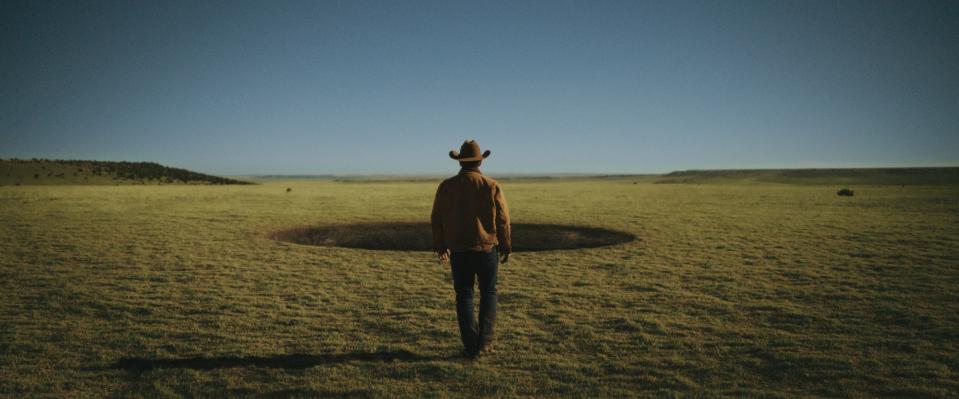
[[436, 220], [503, 230]]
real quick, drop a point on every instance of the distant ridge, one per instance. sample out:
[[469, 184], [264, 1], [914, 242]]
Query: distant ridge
[[37, 171], [866, 176]]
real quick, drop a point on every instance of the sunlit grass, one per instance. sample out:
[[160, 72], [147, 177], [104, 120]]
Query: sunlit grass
[[744, 290]]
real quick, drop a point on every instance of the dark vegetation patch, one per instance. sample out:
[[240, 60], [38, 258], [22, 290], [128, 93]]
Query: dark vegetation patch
[[413, 236], [58, 171]]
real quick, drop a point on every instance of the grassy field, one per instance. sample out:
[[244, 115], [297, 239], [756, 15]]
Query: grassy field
[[729, 290], [937, 176]]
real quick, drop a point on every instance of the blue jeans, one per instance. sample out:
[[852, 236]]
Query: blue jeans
[[467, 267]]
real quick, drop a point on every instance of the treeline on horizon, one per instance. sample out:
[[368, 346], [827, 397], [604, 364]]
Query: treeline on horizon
[[123, 170]]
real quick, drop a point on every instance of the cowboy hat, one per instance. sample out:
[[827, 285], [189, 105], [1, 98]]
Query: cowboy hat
[[469, 151]]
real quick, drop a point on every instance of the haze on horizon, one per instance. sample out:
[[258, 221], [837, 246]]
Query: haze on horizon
[[363, 87]]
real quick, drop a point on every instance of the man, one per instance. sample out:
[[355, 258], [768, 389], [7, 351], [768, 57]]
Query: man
[[470, 230]]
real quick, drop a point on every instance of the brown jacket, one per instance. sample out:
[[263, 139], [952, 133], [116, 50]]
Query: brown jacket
[[470, 214]]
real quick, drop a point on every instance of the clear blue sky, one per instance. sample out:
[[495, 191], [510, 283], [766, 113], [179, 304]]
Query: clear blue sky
[[347, 87]]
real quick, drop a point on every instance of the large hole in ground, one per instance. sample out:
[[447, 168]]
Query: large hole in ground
[[409, 236]]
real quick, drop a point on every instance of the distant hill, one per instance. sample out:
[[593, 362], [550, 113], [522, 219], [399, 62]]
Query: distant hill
[[851, 176], [61, 172]]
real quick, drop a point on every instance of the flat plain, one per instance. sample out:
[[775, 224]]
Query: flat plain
[[731, 289]]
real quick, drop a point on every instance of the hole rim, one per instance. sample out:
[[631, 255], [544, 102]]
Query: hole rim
[[318, 235]]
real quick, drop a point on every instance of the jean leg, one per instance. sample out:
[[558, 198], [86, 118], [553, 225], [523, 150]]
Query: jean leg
[[486, 272], [463, 278]]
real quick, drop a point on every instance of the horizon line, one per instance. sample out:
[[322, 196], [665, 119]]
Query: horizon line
[[580, 174], [420, 174]]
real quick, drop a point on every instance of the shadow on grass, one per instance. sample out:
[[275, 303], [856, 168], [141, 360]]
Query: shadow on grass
[[411, 236], [294, 361]]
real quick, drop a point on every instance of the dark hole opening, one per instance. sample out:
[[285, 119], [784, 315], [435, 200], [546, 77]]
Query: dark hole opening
[[411, 236]]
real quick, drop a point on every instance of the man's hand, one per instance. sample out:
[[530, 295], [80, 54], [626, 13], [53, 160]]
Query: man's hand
[[443, 257], [506, 254]]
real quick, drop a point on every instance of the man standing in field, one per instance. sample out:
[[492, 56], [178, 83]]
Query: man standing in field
[[470, 230]]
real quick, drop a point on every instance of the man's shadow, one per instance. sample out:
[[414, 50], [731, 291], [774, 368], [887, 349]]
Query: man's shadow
[[294, 361]]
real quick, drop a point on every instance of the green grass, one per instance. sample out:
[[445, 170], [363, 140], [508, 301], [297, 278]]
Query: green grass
[[736, 290]]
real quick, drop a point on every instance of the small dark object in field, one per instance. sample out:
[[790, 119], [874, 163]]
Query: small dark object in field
[[845, 193], [289, 189]]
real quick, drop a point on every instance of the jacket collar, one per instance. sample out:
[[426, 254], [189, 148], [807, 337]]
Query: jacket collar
[[464, 171]]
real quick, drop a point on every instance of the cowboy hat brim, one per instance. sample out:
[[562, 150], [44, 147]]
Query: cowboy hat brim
[[455, 155]]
